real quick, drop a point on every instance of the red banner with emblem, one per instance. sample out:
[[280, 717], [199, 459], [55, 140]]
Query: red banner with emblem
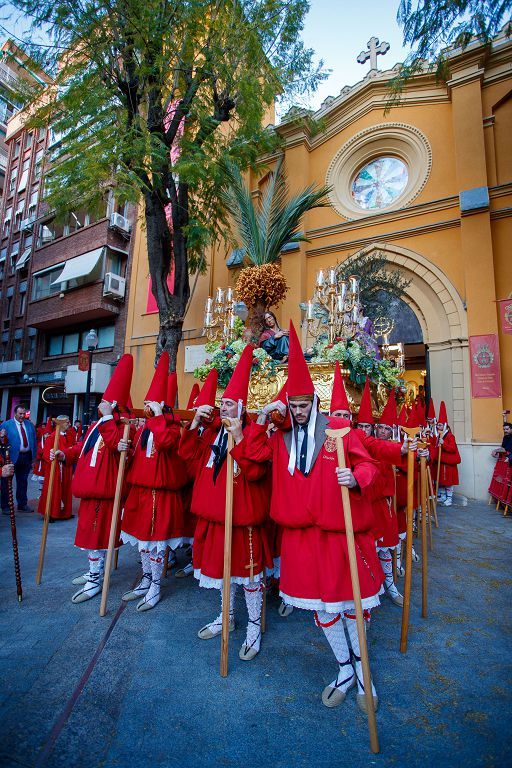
[[83, 360], [484, 356], [506, 315]]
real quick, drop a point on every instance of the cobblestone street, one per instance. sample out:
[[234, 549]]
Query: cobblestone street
[[80, 690]]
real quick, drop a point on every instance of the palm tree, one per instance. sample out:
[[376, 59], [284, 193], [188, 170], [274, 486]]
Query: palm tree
[[263, 230]]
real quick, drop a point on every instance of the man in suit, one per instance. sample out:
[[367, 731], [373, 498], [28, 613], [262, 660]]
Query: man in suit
[[21, 436]]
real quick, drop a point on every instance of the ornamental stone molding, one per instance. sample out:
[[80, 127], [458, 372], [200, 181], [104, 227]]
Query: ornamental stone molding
[[399, 140]]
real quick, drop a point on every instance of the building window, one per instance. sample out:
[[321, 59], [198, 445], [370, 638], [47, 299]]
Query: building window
[[41, 133], [7, 221], [16, 349], [8, 309], [31, 348], [24, 176], [28, 140], [3, 257], [12, 181], [38, 164], [379, 183], [18, 216], [70, 343], [32, 206], [42, 283], [22, 290], [17, 149], [27, 242], [46, 234], [15, 249]]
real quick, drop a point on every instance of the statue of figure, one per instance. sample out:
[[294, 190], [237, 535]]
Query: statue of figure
[[274, 340]]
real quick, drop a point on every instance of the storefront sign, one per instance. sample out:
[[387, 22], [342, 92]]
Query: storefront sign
[[485, 366], [506, 315], [54, 394]]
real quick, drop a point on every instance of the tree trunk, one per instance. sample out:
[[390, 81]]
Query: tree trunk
[[163, 248], [255, 321]]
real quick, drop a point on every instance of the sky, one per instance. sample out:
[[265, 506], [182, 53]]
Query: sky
[[337, 30]]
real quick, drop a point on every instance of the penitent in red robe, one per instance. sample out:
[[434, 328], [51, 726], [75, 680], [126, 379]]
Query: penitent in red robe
[[94, 482], [315, 571], [62, 498], [383, 490], [450, 458], [251, 496], [153, 511]]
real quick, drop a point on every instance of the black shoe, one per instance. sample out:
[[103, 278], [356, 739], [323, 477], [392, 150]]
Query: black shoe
[[25, 509]]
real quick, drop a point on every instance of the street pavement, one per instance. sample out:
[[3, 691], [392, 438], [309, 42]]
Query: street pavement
[[142, 691]]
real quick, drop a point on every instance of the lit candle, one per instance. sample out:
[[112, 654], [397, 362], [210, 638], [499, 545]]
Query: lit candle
[[320, 278], [209, 304], [355, 313], [229, 295], [340, 302], [208, 319], [354, 283], [310, 315], [232, 318], [332, 277], [343, 289], [219, 297]]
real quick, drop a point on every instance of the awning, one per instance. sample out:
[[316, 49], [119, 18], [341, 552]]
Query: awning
[[23, 258], [80, 266]]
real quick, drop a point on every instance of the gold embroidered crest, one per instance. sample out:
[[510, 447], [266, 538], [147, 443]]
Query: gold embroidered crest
[[330, 445]]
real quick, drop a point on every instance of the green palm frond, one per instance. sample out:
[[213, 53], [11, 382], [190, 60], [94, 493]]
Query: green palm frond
[[265, 228]]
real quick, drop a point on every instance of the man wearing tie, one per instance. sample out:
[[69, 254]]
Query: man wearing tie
[[21, 436]]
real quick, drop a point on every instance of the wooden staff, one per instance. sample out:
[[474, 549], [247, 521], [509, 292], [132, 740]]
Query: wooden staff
[[226, 575], [12, 515], [433, 496], [49, 493], [338, 435], [424, 513], [113, 523], [411, 432]]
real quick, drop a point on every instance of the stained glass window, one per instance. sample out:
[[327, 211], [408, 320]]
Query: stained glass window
[[379, 183]]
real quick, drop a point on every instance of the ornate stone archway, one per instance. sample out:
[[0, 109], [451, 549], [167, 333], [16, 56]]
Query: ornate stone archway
[[442, 316]]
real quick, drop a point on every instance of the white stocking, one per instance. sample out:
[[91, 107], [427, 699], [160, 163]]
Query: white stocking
[[156, 561], [351, 625], [253, 600], [215, 626], [335, 634], [145, 582], [96, 565]]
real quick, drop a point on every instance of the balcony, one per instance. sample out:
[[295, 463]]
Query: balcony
[[80, 305], [7, 77], [11, 366]]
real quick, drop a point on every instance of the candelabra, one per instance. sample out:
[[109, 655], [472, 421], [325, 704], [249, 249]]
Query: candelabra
[[395, 353], [339, 300], [220, 316]]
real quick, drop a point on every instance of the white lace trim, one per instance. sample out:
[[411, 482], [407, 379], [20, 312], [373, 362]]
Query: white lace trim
[[209, 583], [319, 605], [127, 538]]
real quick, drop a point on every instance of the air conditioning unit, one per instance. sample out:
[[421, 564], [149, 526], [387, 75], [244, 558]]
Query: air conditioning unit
[[114, 285], [120, 223]]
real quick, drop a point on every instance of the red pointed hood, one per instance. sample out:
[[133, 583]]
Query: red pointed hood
[[402, 417], [339, 399], [172, 389], [208, 391], [118, 388], [431, 413], [282, 394], [422, 416], [443, 416], [388, 415], [238, 385], [414, 417], [300, 383], [193, 395], [365, 415], [157, 391]]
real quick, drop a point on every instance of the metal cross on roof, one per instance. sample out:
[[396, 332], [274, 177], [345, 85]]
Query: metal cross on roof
[[375, 48]]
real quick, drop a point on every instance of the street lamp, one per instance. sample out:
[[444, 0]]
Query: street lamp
[[92, 342]]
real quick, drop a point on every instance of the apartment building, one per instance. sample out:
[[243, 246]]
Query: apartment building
[[60, 278]]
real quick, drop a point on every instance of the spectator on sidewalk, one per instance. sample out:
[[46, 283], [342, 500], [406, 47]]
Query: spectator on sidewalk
[[21, 436]]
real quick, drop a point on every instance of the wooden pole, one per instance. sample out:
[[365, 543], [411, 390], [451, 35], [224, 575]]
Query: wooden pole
[[226, 575], [113, 523], [424, 513], [432, 496], [47, 510], [338, 434], [411, 431]]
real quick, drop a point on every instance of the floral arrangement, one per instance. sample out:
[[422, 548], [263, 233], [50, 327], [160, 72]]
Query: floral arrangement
[[358, 359], [224, 358], [263, 284]]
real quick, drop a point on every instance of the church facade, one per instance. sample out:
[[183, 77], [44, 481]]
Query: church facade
[[429, 184]]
